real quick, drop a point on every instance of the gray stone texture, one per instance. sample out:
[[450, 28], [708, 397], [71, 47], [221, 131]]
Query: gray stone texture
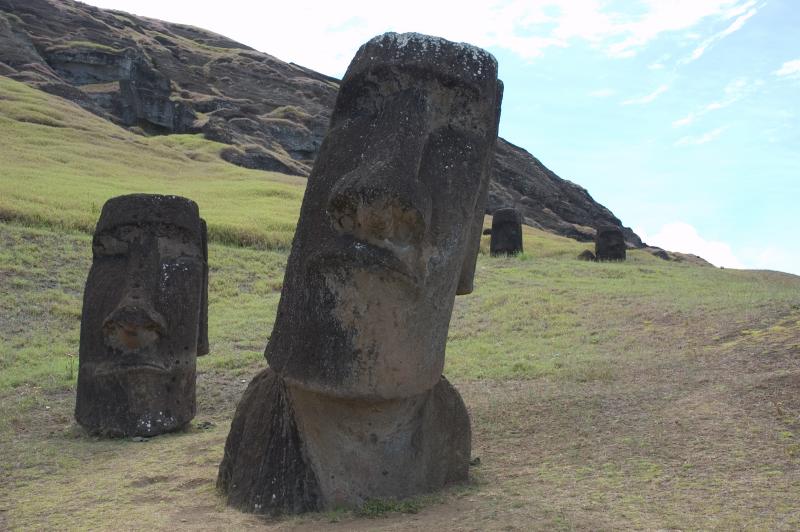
[[145, 317], [388, 234], [609, 243], [506, 232]]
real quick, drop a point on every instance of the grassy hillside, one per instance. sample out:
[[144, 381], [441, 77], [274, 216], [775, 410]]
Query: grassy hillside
[[59, 164], [645, 394]]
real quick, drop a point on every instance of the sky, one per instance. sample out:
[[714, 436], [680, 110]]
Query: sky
[[681, 116]]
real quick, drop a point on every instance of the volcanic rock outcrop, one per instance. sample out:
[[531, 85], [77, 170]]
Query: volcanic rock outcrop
[[158, 77], [544, 200], [145, 317], [354, 405], [169, 78]]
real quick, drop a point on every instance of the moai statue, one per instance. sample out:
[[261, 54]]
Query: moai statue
[[609, 243], [145, 317], [506, 232], [354, 405]]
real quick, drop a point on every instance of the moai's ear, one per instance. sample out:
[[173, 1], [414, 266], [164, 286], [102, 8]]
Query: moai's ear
[[202, 328], [467, 276]]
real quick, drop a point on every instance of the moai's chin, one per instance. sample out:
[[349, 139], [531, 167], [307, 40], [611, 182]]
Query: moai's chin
[[292, 451]]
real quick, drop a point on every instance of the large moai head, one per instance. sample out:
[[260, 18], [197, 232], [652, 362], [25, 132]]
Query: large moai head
[[390, 224], [144, 318], [506, 232], [609, 243]]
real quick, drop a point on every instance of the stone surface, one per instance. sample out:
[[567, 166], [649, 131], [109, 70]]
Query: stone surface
[[388, 234], [506, 232], [398, 179], [145, 317], [265, 468], [658, 252], [609, 243], [273, 114], [170, 78], [587, 255]]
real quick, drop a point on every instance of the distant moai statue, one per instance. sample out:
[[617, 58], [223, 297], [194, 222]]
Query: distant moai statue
[[354, 405], [609, 243], [587, 255], [145, 317], [506, 232]]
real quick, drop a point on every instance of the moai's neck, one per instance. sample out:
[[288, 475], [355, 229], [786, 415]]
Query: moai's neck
[[364, 450]]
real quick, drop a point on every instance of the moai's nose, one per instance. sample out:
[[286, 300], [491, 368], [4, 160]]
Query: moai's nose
[[130, 328], [381, 208]]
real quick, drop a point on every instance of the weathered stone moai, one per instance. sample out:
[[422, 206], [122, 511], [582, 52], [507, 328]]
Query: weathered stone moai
[[354, 405], [609, 243], [145, 317], [506, 232], [587, 255]]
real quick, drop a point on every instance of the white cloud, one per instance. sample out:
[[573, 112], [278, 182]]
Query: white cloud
[[685, 121], [789, 69], [602, 93], [642, 100], [661, 17], [733, 92], [702, 139], [735, 26], [684, 238], [785, 259], [331, 32]]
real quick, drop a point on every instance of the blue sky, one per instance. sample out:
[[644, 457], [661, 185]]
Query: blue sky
[[679, 116]]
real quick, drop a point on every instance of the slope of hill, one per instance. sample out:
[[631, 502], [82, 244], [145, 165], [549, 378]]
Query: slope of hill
[[60, 163], [545, 200], [641, 395], [158, 77], [638, 395]]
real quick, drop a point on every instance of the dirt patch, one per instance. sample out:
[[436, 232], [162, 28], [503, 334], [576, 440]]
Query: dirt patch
[[148, 481], [655, 448], [195, 483]]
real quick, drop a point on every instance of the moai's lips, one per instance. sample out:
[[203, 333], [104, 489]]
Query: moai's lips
[[365, 256], [130, 366]]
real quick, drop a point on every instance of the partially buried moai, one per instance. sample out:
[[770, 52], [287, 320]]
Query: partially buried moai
[[506, 232], [609, 243], [145, 317], [354, 405]]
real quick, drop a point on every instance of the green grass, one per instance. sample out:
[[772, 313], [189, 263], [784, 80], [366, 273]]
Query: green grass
[[70, 162], [546, 314], [638, 395], [71, 45], [528, 317]]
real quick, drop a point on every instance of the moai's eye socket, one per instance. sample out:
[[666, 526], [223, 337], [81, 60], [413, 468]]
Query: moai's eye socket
[[108, 246], [176, 249]]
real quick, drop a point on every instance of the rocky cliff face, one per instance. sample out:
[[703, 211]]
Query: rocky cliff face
[[169, 78], [159, 78], [545, 200]]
